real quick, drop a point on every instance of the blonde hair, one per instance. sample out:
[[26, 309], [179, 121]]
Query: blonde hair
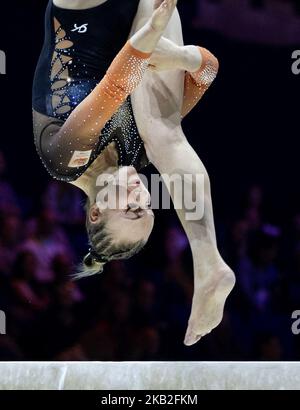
[[89, 267], [103, 249]]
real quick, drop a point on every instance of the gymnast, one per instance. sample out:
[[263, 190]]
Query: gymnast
[[84, 127]]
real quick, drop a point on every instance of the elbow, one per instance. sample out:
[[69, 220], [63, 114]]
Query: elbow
[[209, 68]]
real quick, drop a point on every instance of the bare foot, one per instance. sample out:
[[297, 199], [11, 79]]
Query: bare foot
[[163, 10], [208, 303], [169, 56], [166, 56]]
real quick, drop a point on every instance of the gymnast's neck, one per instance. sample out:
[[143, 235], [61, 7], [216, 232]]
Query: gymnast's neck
[[106, 163]]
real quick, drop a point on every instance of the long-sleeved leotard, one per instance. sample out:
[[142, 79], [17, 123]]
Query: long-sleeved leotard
[[80, 132], [69, 121], [85, 123], [71, 145], [68, 146], [79, 47]]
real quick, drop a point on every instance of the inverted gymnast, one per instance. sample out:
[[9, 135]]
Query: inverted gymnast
[[84, 126]]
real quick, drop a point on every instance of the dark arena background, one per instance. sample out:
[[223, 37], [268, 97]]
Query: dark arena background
[[245, 130]]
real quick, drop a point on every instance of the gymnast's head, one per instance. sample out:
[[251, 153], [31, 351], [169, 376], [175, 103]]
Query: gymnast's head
[[119, 221]]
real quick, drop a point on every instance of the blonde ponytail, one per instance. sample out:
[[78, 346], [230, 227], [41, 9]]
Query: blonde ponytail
[[90, 266]]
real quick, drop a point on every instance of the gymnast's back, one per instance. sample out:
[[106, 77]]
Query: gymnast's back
[[79, 46]]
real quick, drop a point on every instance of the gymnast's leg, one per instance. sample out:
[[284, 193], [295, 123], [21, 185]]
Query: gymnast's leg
[[159, 122]]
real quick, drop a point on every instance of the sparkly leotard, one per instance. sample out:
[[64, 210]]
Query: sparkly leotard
[[78, 49], [81, 99]]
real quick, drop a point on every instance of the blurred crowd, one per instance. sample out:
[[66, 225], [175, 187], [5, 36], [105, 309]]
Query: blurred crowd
[[138, 309]]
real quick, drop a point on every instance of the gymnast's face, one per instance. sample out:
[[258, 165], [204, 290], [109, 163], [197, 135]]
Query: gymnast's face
[[124, 204]]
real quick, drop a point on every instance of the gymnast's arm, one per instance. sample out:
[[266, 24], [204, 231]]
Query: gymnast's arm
[[172, 54], [198, 82], [200, 68], [79, 134], [90, 116]]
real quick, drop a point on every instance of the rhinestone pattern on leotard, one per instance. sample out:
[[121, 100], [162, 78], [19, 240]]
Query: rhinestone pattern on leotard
[[207, 75], [130, 147], [122, 130], [68, 92]]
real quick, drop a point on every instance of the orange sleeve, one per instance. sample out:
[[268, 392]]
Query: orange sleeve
[[84, 125], [196, 84]]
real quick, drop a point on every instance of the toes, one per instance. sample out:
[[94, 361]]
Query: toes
[[171, 4], [191, 338], [168, 4]]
